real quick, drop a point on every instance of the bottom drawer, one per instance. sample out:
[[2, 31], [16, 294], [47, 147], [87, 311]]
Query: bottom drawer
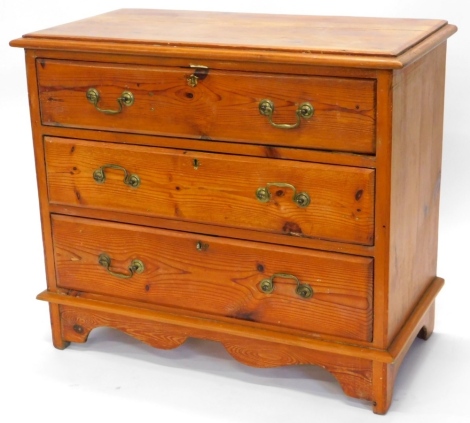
[[312, 291]]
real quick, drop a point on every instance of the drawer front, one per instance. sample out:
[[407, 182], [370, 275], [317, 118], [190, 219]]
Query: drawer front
[[222, 105], [217, 276], [278, 196]]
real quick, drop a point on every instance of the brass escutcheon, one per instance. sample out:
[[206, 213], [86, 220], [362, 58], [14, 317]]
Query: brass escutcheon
[[201, 246], [305, 111], [302, 199], [302, 290], [126, 99]]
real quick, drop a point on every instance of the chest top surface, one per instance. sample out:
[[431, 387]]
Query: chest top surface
[[309, 36]]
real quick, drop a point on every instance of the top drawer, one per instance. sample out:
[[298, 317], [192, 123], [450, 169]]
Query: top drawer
[[222, 105]]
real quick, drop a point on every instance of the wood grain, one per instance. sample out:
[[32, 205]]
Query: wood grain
[[366, 373], [211, 146], [355, 381], [221, 190], [213, 62], [40, 165], [223, 105], [214, 230], [240, 57], [418, 102], [382, 206], [216, 327], [325, 34], [359, 378], [76, 326], [223, 279]]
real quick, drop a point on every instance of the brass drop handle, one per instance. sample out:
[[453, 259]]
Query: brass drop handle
[[126, 99], [302, 290], [130, 179], [136, 266], [305, 111], [302, 199]]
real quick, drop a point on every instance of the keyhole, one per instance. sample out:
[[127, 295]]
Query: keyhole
[[195, 163], [201, 246]]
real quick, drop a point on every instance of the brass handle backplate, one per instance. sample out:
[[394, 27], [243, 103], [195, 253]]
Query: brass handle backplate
[[305, 111], [130, 179], [302, 290], [302, 199], [126, 99], [136, 266]]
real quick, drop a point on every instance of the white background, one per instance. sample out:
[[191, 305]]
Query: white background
[[115, 378]]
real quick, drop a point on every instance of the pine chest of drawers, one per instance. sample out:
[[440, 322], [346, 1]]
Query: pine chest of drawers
[[268, 182]]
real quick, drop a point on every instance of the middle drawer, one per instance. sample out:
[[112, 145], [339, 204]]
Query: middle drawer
[[279, 196]]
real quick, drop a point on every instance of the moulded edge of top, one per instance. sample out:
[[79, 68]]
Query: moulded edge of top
[[72, 37]]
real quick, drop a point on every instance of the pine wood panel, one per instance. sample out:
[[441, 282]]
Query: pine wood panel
[[418, 103], [239, 57], [223, 278], [382, 206], [223, 105], [323, 34], [366, 373], [356, 381], [221, 191], [214, 62], [371, 380], [269, 151], [214, 230], [421, 318], [77, 324]]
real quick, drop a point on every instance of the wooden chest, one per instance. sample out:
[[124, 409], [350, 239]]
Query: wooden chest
[[269, 182]]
